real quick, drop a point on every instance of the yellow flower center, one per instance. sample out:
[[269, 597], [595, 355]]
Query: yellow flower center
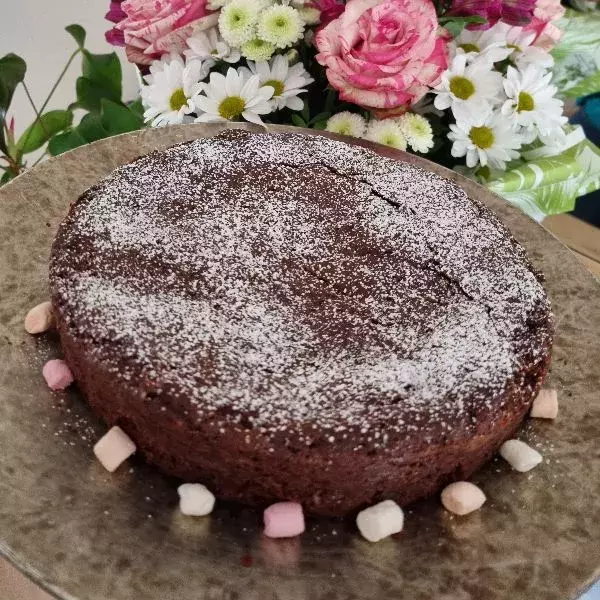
[[462, 87], [469, 48], [514, 47], [277, 85], [482, 137], [526, 102], [232, 107], [177, 99]]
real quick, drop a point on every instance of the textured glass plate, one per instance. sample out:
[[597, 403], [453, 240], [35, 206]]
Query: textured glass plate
[[82, 533]]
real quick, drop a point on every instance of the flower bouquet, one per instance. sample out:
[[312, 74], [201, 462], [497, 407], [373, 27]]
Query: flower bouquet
[[478, 86]]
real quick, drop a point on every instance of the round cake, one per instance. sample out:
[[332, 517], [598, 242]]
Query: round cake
[[288, 317]]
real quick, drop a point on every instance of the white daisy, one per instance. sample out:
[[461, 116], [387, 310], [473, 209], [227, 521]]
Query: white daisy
[[486, 140], [210, 47], [468, 88], [531, 103], [171, 86], [347, 123], [257, 49], [523, 51], [417, 131], [386, 132], [281, 25], [287, 82], [226, 98], [237, 21], [488, 44]]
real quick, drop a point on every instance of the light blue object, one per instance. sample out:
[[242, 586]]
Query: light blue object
[[593, 593]]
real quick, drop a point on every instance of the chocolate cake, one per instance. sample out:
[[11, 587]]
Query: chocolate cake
[[281, 316]]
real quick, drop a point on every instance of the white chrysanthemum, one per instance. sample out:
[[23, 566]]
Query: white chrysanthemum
[[347, 123], [523, 51], [210, 47], [257, 49], [417, 131], [171, 86], [310, 15], [237, 21], [227, 98], [287, 82], [531, 103], [487, 44], [485, 140], [468, 88], [386, 132], [281, 25]]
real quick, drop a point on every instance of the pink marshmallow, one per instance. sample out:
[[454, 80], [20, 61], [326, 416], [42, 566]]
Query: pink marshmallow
[[114, 448], [57, 374], [284, 519]]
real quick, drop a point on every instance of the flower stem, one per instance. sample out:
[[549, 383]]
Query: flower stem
[[60, 77], [37, 117]]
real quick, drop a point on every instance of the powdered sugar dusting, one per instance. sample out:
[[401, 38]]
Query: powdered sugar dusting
[[301, 286]]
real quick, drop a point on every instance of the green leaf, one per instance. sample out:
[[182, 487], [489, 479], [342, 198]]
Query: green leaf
[[320, 117], [137, 108], [42, 129], [89, 94], [117, 118], [581, 33], [320, 125], [65, 141], [298, 121], [104, 70], [550, 185], [91, 129], [78, 34], [306, 112], [6, 177], [455, 25], [12, 72], [589, 85]]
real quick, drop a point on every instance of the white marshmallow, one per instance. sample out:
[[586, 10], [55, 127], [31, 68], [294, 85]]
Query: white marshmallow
[[113, 448], [545, 406], [195, 499], [462, 497], [380, 521], [39, 319], [520, 456]]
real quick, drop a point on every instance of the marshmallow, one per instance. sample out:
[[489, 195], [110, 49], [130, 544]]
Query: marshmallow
[[545, 406], [380, 521], [283, 519], [462, 497], [195, 500], [39, 318], [57, 374], [520, 456], [113, 448]]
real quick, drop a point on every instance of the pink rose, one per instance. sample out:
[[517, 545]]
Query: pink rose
[[514, 12], [383, 55], [151, 28], [330, 9], [547, 34]]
